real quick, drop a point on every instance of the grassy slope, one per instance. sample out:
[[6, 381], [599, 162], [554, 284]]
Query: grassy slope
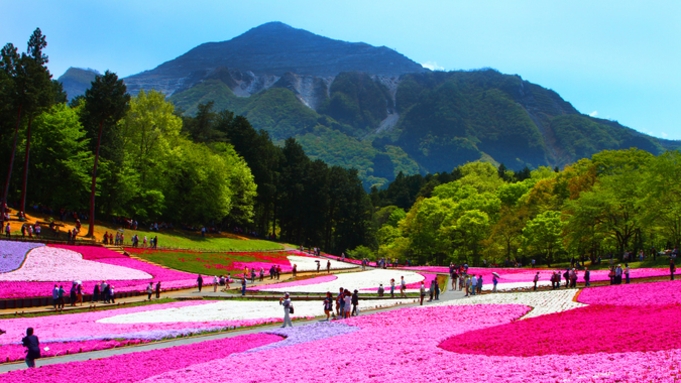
[[205, 263]]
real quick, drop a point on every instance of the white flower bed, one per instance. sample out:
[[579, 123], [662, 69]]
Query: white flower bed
[[53, 264], [359, 280], [309, 264], [238, 310], [542, 302]]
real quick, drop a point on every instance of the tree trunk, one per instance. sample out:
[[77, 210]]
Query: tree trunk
[[24, 183], [3, 205], [93, 187]]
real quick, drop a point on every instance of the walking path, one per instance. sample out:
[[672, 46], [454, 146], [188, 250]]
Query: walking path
[[445, 295]]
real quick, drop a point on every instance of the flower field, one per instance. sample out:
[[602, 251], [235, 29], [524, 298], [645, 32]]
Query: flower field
[[46, 265], [141, 365], [515, 278], [12, 254], [359, 280], [614, 333]]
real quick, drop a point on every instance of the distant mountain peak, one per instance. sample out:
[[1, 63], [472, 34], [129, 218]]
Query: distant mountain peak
[[274, 49]]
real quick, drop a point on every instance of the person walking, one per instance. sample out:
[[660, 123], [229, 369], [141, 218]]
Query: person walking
[[474, 284], [158, 289], [55, 296], [328, 266], [422, 291], [32, 345], [243, 286], [672, 268], [215, 283], [355, 303], [437, 288], [112, 294], [150, 290], [403, 287], [495, 280], [95, 294], [587, 277], [60, 301], [626, 273], [328, 306], [288, 308], [535, 280], [392, 287], [479, 284], [199, 281]]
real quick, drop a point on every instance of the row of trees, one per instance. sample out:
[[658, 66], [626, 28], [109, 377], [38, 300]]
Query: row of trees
[[138, 157], [617, 201]]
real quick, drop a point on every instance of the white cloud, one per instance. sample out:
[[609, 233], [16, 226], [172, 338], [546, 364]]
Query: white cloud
[[432, 65], [664, 135], [594, 113]]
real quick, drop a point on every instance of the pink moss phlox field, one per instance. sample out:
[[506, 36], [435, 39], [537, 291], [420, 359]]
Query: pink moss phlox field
[[137, 366], [12, 254], [428, 277], [402, 346], [346, 259], [389, 347], [170, 279], [15, 352], [638, 294], [91, 253], [510, 275], [586, 330], [304, 282], [84, 326]]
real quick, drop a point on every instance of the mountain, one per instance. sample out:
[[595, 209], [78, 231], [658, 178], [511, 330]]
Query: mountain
[[263, 55], [76, 81], [355, 105]]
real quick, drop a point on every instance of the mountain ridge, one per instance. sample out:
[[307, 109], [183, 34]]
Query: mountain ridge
[[355, 105]]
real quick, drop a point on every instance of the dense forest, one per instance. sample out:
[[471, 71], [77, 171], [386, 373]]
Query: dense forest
[[107, 154]]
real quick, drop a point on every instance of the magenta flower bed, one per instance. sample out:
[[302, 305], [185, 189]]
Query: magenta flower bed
[[304, 282], [91, 253], [14, 352], [586, 330], [402, 345], [639, 294], [170, 279], [510, 275], [12, 254], [141, 365]]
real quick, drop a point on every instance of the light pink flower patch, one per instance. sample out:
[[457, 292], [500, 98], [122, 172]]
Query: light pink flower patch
[[304, 282]]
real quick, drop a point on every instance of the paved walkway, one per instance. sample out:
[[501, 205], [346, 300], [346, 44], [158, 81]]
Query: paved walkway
[[444, 296]]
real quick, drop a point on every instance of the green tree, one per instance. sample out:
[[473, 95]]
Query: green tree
[[61, 159], [542, 235], [106, 103]]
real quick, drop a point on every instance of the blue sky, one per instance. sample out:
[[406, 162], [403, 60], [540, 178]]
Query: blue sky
[[619, 60]]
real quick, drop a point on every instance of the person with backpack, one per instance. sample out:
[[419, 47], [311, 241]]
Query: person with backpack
[[32, 345], [288, 309]]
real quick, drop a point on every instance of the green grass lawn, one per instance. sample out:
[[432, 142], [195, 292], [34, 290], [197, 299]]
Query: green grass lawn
[[178, 239], [208, 263]]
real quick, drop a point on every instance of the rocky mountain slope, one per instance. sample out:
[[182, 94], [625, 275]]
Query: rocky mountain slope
[[76, 81], [355, 105]]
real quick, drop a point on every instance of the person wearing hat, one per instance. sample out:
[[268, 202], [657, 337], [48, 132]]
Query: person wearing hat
[[286, 302]]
